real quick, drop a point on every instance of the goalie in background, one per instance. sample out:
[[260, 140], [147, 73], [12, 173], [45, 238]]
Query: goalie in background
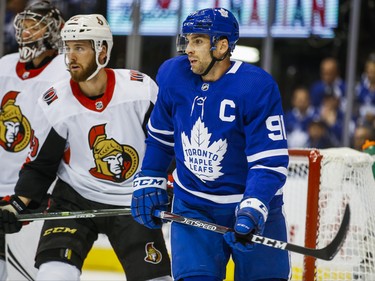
[[223, 122], [24, 76], [92, 139]]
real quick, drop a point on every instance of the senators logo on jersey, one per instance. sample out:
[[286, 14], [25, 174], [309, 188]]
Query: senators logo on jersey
[[15, 129], [153, 255], [114, 162]]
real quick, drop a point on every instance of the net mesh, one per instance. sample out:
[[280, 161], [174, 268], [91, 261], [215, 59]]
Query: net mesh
[[346, 177]]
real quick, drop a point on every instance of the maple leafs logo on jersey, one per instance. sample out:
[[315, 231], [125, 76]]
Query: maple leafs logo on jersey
[[202, 157]]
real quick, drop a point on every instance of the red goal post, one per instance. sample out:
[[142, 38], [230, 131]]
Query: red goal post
[[320, 183]]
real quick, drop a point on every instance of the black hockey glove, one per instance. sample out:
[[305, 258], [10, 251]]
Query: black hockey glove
[[10, 206]]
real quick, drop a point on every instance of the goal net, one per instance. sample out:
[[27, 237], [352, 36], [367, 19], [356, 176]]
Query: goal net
[[320, 183]]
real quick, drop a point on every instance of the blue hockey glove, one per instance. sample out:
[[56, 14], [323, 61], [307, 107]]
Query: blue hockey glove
[[10, 206], [251, 215], [150, 192]]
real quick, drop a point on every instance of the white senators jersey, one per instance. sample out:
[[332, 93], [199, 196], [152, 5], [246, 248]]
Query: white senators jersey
[[20, 89], [95, 145]]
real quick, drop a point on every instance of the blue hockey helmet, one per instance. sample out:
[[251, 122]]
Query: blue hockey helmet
[[215, 22]]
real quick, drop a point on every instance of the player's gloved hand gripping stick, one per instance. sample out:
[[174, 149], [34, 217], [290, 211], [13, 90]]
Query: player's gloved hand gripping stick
[[326, 253], [150, 192], [251, 215], [10, 207]]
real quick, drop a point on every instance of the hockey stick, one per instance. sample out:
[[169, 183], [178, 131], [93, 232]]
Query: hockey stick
[[74, 215], [326, 253]]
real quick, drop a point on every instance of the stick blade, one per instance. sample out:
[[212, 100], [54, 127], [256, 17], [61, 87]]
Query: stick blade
[[332, 249], [329, 252]]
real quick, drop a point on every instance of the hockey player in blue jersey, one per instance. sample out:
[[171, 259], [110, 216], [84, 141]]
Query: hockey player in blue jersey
[[222, 120]]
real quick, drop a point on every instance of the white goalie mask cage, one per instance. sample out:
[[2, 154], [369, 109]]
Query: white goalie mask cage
[[46, 18]]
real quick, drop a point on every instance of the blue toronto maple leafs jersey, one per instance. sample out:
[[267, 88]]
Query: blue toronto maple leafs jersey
[[227, 136]]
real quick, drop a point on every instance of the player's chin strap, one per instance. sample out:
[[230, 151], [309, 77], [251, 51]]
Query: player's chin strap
[[214, 60], [99, 66]]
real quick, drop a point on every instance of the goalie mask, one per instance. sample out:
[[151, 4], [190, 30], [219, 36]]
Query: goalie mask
[[37, 30], [89, 27], [218, 23]]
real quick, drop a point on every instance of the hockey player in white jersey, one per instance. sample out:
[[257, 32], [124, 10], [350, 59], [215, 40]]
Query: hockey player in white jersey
[[93, 139], [24, 76], [223, 121]]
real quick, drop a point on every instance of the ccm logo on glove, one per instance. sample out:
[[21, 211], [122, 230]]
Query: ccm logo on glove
[[149, 181]]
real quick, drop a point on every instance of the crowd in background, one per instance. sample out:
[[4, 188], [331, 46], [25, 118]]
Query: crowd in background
[[316, 117], [317, 111]]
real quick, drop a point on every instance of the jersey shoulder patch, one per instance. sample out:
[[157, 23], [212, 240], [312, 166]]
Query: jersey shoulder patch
[[50, 96], [136, 75]]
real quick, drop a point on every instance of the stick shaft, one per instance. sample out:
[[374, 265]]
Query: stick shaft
[[326, 253], [74, 214]]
